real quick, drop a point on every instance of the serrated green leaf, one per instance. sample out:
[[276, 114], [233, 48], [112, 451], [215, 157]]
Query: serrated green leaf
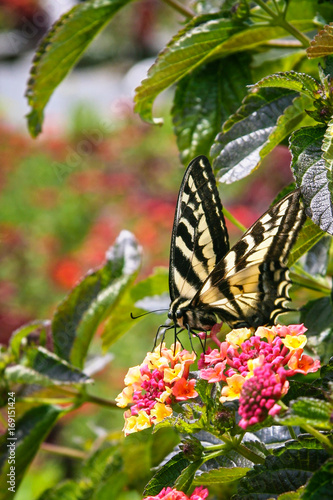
[[93, 299], [61, 48], [24, 331], [308, 411], [237, 150], [308, 236], [286, 472], [327, 148], [46, 369], [199, 42], [137, 295], [30, 431], [220, 476], [204, 100], [292, 80], [309, 169], [320, 484], [317, 315], [167, 474], [185, 479], [322, 44]]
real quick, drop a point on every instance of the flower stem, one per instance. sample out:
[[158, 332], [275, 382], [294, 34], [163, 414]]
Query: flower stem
[[64, 451], [185, 11]]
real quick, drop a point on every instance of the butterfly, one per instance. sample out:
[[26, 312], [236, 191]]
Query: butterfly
[[245, 286]]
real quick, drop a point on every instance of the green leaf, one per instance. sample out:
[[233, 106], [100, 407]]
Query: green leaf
[[327, 148], [18, 336], [101, 478], [309, 235], [203, 39], [298, 82], [237, 150], [322, 44], [30, 431], [317, 258], [203, 101], [317, 315], [279, 474], [46, 369], [309, 169], [61, 48], [90, 302], [185, 479], [320, 484], [220, 476], [308, 411], [136, 300], [167, 475]]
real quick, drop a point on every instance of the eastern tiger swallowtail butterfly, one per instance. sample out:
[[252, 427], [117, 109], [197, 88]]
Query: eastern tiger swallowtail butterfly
[[245, 286]]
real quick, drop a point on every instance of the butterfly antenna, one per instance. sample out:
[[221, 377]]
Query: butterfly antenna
[[145, 314]]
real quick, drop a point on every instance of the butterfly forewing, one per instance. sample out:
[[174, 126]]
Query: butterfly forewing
[[199, 236], [249, 286]]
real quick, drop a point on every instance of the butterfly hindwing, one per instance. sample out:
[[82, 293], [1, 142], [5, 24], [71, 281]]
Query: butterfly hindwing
[[249, 286], [199, 236], [245, 286]]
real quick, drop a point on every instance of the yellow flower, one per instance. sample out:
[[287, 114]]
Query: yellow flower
[[266, 333], [136, 423], [133, 376], [173, 374], [238, 336], [233, 389], [125, 397], [165, 395], [160, 411], [294, 342], [252, 364]]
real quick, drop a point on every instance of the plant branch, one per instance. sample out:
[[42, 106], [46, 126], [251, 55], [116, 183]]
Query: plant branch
[[89, 398], [64, 451], [185, 11], [243, 450], [278, 19]]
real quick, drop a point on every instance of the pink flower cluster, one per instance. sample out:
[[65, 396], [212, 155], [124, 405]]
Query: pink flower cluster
[[151, 388], [254, 366], [199, 493]]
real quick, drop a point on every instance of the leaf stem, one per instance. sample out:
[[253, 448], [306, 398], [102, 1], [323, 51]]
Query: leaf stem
[[64, 451], [234, 220], [185, 11], [242, 450], [292, 432], [323, 439], [279, 20]]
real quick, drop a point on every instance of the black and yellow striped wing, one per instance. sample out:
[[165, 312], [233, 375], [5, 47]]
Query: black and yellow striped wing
[[245, 286]]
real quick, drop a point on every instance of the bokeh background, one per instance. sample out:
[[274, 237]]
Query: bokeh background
[[95, 169]]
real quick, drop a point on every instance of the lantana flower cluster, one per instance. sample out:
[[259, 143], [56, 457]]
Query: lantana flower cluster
[[200, 493], [254, 365], [152, 387]]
